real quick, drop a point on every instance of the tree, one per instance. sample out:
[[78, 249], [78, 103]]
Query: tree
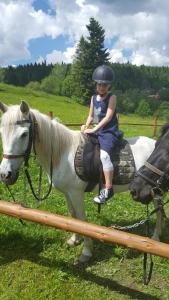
[[90, 53], [2, 74]]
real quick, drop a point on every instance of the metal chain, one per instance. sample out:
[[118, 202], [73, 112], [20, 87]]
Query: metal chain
[[142, 222], [132, 226]]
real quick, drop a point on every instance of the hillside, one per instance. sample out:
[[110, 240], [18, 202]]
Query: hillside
[[69, 111], [62, 107]]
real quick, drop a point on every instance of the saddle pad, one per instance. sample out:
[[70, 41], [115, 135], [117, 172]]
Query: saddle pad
[[89, 167], [124, 165]]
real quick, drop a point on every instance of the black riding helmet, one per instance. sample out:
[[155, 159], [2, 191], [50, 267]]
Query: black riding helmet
[[103, 74]]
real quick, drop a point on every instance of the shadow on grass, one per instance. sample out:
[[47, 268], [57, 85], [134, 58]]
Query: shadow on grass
[[16, 247]]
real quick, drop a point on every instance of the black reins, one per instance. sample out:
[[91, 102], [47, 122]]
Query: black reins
[[157, 192]]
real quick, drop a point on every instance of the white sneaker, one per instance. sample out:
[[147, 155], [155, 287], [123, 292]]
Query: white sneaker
[[105, 194]]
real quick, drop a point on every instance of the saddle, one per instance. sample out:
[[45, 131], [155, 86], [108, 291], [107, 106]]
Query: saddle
[[88, 165]]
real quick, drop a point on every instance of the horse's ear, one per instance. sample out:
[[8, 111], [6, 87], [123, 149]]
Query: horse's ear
[[24, 107], [3, 107]]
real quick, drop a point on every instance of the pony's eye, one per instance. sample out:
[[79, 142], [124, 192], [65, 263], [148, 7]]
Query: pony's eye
[[24, 135]]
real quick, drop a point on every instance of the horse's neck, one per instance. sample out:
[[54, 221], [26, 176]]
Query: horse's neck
[[53, 141]]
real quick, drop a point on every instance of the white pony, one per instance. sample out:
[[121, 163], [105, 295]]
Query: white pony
[[55, 139]]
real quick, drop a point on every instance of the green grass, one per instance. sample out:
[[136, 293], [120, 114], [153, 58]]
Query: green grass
[[35, 261]]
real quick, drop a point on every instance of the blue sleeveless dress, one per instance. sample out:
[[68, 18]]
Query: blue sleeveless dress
[[108, 135]]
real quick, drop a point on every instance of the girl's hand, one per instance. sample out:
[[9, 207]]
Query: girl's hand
[[89, 130], [83, 127]]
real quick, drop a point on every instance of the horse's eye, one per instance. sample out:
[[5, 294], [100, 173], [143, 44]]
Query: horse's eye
[[24, 135]]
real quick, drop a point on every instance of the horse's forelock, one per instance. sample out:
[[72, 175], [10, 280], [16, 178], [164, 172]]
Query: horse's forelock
[[12, 115], [13, 110]]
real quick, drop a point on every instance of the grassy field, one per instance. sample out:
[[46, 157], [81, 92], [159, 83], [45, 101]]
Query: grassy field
[[35, 261]]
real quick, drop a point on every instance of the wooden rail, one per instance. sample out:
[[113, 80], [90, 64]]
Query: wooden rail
[[154, 124], [120, 123], [102, 233]]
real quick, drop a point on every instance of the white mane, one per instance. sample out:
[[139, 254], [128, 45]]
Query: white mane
[[52, 138]]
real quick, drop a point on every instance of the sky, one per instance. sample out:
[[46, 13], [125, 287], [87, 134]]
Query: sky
[[38, 30]]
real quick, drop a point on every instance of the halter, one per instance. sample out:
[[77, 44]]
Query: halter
[[157, 189]]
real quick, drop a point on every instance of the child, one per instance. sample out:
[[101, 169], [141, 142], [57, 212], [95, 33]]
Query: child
[[103, 115]]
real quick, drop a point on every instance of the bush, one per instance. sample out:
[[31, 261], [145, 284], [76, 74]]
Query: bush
[[50, 85], [163, 111], [143, 108], [128, 105], [33, 86]]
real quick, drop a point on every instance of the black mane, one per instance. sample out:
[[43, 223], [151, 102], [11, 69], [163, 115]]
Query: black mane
[[164, 129]]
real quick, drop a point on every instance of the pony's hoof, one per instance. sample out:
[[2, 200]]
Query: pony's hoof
[[84, 259], [73, 243]]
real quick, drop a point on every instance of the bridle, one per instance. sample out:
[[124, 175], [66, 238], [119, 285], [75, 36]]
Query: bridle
[[31, 141], [157, 186], [33, 134]]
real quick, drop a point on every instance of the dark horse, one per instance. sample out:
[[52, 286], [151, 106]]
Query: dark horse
[[152, 179]]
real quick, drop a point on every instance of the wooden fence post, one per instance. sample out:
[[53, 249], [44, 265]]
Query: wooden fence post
[[50, 114], [155, 127]]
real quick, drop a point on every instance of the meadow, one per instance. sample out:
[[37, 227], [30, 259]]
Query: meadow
[[35, 261]]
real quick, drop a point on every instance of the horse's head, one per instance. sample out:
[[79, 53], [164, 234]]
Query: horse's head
[[15, 133], [154, 175]]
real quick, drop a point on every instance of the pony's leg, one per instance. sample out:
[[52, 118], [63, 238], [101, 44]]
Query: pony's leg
[[160, 222], [76, 199], [76, 238]]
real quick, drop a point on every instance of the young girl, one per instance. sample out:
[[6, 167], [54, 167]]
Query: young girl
[[103, 115]]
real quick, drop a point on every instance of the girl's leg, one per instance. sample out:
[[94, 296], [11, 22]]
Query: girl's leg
[[108, 178], [107, 192]]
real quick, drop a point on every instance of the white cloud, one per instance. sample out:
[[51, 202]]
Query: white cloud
[[153, 58], [59, 57], [20, 23], [140, 26], [116, 55]]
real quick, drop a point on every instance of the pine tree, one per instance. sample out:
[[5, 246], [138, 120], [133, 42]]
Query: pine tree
[[90, 53]]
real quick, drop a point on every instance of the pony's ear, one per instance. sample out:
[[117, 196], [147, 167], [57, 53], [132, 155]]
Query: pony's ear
[[3, 107], [24, 107]]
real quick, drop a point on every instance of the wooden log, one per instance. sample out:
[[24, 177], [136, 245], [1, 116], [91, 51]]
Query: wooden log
[[102, 233]]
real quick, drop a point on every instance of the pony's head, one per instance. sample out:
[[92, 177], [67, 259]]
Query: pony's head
[[15, 133], [153, 177]]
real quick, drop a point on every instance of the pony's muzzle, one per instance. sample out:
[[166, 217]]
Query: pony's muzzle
[[133, 192], [9, 177]]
